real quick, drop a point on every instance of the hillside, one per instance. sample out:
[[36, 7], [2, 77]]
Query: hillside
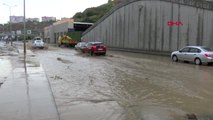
[[93, 14]]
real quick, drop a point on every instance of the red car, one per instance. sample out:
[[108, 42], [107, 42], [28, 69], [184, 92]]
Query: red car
[[95, 48]]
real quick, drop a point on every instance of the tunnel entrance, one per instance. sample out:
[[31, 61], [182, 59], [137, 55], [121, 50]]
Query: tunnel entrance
[[80, 26]]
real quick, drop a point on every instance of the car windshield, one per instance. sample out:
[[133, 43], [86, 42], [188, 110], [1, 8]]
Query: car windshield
[[37, 41], [206, 49], [82, 44]]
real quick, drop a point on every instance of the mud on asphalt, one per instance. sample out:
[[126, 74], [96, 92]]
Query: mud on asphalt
[[127, 86]]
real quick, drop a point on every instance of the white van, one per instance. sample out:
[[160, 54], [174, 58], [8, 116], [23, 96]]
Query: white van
[[38, 42]]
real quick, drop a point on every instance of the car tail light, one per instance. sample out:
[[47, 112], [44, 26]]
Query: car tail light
[[207, 55]]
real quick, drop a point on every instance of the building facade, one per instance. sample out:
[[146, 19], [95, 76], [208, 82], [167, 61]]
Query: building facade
[[16, 19], [47, 19], [62, 27], [52, 32], [32, 19], [19, 19]]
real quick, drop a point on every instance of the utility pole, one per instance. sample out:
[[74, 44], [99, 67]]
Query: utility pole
[[24, 31], [11, 28], [3, 28]]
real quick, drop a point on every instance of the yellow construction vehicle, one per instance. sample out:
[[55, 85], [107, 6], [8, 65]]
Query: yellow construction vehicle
[[65, 40]]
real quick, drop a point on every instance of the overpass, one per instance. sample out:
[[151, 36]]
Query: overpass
[[155, 25]]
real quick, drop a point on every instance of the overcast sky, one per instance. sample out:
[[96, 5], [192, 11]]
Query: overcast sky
[[39, 8]]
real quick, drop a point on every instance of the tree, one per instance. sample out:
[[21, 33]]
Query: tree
[[93, 14]]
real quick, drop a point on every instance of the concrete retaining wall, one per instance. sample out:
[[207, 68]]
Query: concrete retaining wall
[[143, 25]]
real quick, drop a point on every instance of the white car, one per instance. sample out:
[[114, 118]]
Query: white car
[[80, 45], [38, 43], [196, 54]]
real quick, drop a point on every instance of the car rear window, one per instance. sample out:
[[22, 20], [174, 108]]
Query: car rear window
[[207, 49], [98, 44]]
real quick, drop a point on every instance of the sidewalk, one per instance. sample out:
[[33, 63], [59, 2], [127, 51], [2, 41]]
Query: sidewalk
[[25, 92]]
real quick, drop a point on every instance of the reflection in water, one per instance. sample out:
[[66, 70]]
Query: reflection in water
[[27, 85], [26, 75], [5, 69]]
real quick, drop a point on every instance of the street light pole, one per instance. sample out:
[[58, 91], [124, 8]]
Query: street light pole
[[3, 28], [24, 31], [10, 22], [11, 28]]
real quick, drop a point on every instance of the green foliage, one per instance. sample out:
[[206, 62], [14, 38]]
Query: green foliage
[[92, 15]]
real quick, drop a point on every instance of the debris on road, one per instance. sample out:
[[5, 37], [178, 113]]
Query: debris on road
[[63, 61], [57, 77], [191, 117], [59, 59], [1, 83], [111, 55]]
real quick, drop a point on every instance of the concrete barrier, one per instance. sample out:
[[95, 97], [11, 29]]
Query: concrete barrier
[[155, 25]]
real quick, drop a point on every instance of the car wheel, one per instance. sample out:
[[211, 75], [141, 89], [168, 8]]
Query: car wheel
[[104, 54], [174, 58], [198, 61]]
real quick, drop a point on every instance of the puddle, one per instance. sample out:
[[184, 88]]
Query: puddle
[[140, 87], [5, 69], [90, 111], [31, 63]]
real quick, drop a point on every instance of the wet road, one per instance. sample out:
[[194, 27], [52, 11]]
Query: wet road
[[127, 86], [25, 92]]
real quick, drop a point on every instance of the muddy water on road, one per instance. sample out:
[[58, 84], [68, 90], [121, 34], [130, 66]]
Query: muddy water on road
[[156, 87], [127, 86]]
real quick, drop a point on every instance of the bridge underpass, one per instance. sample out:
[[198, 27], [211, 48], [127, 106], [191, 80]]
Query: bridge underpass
[[155, 25]]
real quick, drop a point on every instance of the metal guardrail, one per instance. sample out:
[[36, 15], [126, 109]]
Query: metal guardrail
[[193, 3]]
